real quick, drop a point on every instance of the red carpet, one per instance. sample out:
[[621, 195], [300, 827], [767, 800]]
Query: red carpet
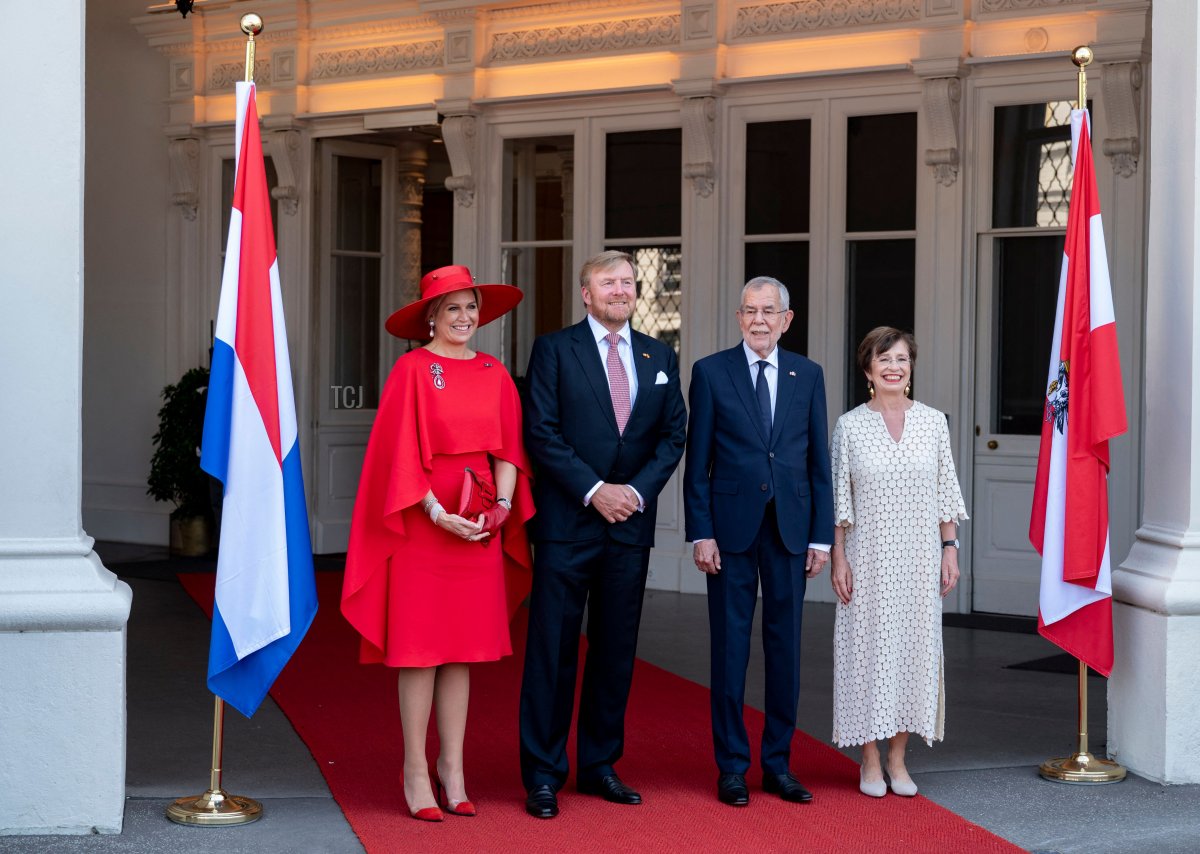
[[347, 715]]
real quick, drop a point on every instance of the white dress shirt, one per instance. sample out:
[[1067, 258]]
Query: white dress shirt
[[625, 352]]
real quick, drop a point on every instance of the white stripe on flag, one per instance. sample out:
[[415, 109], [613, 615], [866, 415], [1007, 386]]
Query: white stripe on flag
[[252, 590]]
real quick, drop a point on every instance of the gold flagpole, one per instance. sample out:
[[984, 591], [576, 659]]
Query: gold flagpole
[[1082, 766], [216, 807]]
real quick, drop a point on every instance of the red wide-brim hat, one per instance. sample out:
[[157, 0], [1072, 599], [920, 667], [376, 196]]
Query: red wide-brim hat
[[412, 321]]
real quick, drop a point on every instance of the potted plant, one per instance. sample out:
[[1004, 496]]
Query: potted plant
[[175, 473]]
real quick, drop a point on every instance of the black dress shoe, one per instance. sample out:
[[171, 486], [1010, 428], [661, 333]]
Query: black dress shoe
[[787, 787], [541, 802], [732, 790], [611, 789]]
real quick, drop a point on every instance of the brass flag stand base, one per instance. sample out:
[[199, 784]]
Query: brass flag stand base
[[216, 807], [1082, 767]]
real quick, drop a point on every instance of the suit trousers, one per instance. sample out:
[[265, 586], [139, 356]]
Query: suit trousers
[[610, 578], [732, 596]]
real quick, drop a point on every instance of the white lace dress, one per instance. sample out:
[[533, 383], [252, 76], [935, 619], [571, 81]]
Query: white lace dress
[[887, 646]]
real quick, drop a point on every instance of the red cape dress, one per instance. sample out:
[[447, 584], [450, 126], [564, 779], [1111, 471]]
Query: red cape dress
[[418, 595]]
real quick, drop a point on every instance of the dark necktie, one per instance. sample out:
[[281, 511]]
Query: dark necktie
[[764, 397]]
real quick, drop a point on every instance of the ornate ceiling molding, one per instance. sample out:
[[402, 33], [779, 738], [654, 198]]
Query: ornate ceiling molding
[[585, 38], [356, 62], [1025, 5], [770, 19], [541, 10], [225, 74]]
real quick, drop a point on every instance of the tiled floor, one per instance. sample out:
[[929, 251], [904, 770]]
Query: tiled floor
[[1000, 724]]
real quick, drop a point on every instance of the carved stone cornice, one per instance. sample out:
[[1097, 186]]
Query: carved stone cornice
[[543, 9], [575, 39], [769, 19], [356, 62], [458, 133], [1025, 5], [1122, 82], [699, 143], [184, 155], [284, 149], [942, 97], [225, 74]]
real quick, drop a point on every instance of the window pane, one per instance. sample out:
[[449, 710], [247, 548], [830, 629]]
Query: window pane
[[358, 204], [787, 262], [659, 274], [537, 180], [777, 167], [643, 184], [881, 172], [1031, 173], [1026, 276], [881, 280], [356, 326], [544, 276], [228, 172]]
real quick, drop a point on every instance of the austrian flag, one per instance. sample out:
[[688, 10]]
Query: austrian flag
[[266, 591], [1085, 407]]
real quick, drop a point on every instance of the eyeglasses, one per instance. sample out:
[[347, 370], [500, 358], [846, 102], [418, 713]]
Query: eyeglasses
[[767, 314], [902, 361]]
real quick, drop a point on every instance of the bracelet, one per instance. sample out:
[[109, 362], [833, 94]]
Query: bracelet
[[436, 510], [505, 503], [428, 502]]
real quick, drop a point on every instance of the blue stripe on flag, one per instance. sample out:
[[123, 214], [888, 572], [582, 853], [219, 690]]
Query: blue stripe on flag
[[243, 684], [218, 414]]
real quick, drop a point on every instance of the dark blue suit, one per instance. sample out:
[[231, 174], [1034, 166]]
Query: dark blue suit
[[579, 558], [764, 499]]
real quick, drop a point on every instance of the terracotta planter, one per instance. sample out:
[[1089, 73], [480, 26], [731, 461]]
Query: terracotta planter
[[190, 536]]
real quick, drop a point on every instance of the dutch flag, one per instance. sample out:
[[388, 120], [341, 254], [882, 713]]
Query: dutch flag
[[266, 591]]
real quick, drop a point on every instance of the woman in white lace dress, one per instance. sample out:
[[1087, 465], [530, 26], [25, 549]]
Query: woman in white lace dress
[[894, 556]]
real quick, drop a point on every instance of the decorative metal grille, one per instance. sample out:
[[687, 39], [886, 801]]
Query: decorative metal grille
[[1055, 170], [659, 274]]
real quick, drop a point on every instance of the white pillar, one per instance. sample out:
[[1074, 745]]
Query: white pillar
[[62, 614], [1154, 695]]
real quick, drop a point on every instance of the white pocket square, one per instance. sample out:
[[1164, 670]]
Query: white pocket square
[[661, 379]]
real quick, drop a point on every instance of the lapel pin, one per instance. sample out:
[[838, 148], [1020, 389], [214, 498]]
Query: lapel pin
[[645, 355], [791, 373]]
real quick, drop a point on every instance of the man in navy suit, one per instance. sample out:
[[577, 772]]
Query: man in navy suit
[[605, 426], [758, 503]]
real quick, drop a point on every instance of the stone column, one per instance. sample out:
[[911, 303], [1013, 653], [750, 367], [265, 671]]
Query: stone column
[[410, 198], [1154, 695], [62, 614]]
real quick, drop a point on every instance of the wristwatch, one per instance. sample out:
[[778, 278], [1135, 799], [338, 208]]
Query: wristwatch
[[505, 503], [948, 543]]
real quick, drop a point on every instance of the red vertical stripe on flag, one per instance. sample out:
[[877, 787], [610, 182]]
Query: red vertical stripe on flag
[[254, 339], [1093, 365]]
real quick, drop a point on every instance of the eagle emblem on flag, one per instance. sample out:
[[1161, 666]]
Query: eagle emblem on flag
[[1056, 398]]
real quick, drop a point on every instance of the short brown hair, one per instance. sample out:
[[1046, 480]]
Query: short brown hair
[[880, 340], [605, 260]]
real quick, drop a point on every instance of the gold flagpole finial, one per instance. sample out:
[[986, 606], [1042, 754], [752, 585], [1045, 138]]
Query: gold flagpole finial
[[1082, 56], [252, 25]]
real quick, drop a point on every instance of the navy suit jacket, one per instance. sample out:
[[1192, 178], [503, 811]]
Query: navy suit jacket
[[571, 434], [733, 467]]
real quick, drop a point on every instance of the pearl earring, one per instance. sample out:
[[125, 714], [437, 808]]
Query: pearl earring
[[431, 329]]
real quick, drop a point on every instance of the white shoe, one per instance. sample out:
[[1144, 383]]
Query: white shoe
[[903, 788], [872, 789]]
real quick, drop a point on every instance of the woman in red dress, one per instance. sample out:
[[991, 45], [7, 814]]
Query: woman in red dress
[[429, 585]]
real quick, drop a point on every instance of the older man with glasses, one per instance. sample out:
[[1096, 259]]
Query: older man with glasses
[[758, 504]]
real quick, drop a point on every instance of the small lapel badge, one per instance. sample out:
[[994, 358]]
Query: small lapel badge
[[791, 373], [487, 364], [645, 355]]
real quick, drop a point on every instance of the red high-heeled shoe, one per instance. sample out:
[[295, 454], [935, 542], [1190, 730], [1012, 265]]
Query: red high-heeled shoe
[[463, 808], [424, 813]]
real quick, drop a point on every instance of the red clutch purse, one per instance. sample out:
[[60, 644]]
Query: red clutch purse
[[478, 496]]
